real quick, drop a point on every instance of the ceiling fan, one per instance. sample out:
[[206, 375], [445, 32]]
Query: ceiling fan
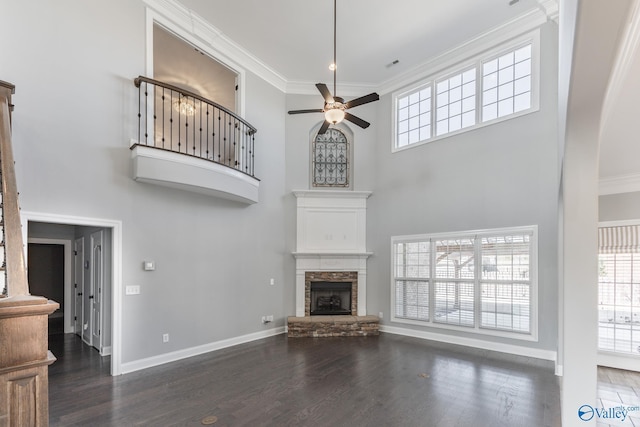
[[334, 106]]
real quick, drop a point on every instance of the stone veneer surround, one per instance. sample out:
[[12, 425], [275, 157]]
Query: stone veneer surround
[[330, 276]]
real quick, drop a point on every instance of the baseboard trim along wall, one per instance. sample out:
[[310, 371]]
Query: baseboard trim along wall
[[161, 359], [472, 342]]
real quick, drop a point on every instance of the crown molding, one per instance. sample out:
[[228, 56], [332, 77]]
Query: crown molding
[[550, 8], [619, 184], [485, 41], [201, 29]]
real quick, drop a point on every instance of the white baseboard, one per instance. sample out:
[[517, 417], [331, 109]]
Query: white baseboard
[[149, 362], [106, 351], [559, 370], [472, 342], [619, 361]]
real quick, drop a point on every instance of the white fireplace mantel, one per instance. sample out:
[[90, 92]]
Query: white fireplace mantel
[[331, 236]]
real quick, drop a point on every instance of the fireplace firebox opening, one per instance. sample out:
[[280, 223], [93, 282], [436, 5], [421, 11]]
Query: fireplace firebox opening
[[330, 298], [331, 293]]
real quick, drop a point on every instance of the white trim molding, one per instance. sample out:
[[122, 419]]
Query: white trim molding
[[619, 184], [474, 47], [116, 269], [218, 43], [473, 342], [161, 359]]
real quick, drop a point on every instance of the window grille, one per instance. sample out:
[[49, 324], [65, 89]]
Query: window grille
[[330, 159], [482, 281], [488, 88]]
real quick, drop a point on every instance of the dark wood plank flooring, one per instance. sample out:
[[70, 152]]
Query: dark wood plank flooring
[[374, 381]]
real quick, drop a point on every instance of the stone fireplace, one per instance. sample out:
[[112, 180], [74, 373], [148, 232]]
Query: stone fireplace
[[331, 249], [328, 293]]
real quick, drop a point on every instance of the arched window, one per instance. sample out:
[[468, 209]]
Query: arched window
[[331, 159]]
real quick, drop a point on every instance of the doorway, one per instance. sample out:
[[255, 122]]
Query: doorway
[[46, 277], [92, 297]]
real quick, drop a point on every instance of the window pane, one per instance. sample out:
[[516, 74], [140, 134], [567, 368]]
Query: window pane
[[455, 108], [454, 303], [522, 102], [505, 60], [416, 105], [522, 69], [505, 107], [489, 112], [412, 299], [505, 91], [490, 96], [522, 85], [523, 53], [513, 80], [468, 119], [403, 126], [455, 123], [449, 100], [490, 67]]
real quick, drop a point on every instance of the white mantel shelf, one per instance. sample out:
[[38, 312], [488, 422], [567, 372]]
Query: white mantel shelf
[[332, 254], [345, 194]]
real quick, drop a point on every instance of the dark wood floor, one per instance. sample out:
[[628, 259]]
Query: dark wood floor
[[375, 381]]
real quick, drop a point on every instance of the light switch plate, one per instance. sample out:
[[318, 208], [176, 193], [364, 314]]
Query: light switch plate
[[132, 290]]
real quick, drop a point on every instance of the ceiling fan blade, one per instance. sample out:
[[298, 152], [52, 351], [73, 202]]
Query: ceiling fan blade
[[324, 127], [326, 94], [316, 110], [356, 120], [363, 100]]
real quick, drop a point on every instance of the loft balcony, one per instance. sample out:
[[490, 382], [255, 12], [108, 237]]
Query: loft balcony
[[188, 142]]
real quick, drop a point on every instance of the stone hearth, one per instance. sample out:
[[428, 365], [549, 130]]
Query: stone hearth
[[333, 326]]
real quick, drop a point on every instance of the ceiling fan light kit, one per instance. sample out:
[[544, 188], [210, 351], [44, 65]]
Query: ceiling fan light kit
[[334, 106]]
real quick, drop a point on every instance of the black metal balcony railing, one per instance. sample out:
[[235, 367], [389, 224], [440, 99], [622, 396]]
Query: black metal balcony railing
[[173, 119]]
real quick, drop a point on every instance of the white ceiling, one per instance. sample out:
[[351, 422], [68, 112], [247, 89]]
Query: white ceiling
[[294, 38]]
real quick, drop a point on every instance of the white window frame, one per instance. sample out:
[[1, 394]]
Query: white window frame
[[532, 37], [477, 328], [614, 359]]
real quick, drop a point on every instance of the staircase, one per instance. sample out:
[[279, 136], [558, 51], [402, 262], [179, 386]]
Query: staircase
[[24, 355]]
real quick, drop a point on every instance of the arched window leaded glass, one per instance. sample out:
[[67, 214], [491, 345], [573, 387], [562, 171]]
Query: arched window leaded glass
[[330, 159]]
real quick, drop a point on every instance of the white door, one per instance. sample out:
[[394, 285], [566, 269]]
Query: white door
[[78, 285], [97, 284]]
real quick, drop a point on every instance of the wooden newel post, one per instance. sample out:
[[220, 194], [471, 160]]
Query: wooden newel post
[[24, 355]]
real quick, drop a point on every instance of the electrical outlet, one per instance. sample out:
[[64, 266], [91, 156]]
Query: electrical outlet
[[272, 281], [381, 315], [270, 318], [165, 337]]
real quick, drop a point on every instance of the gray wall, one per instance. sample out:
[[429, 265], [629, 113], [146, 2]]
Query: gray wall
[[73, 67], [618, 207], [501, 175]]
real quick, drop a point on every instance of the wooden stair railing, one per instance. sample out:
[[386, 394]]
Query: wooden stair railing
[[24, 355]]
